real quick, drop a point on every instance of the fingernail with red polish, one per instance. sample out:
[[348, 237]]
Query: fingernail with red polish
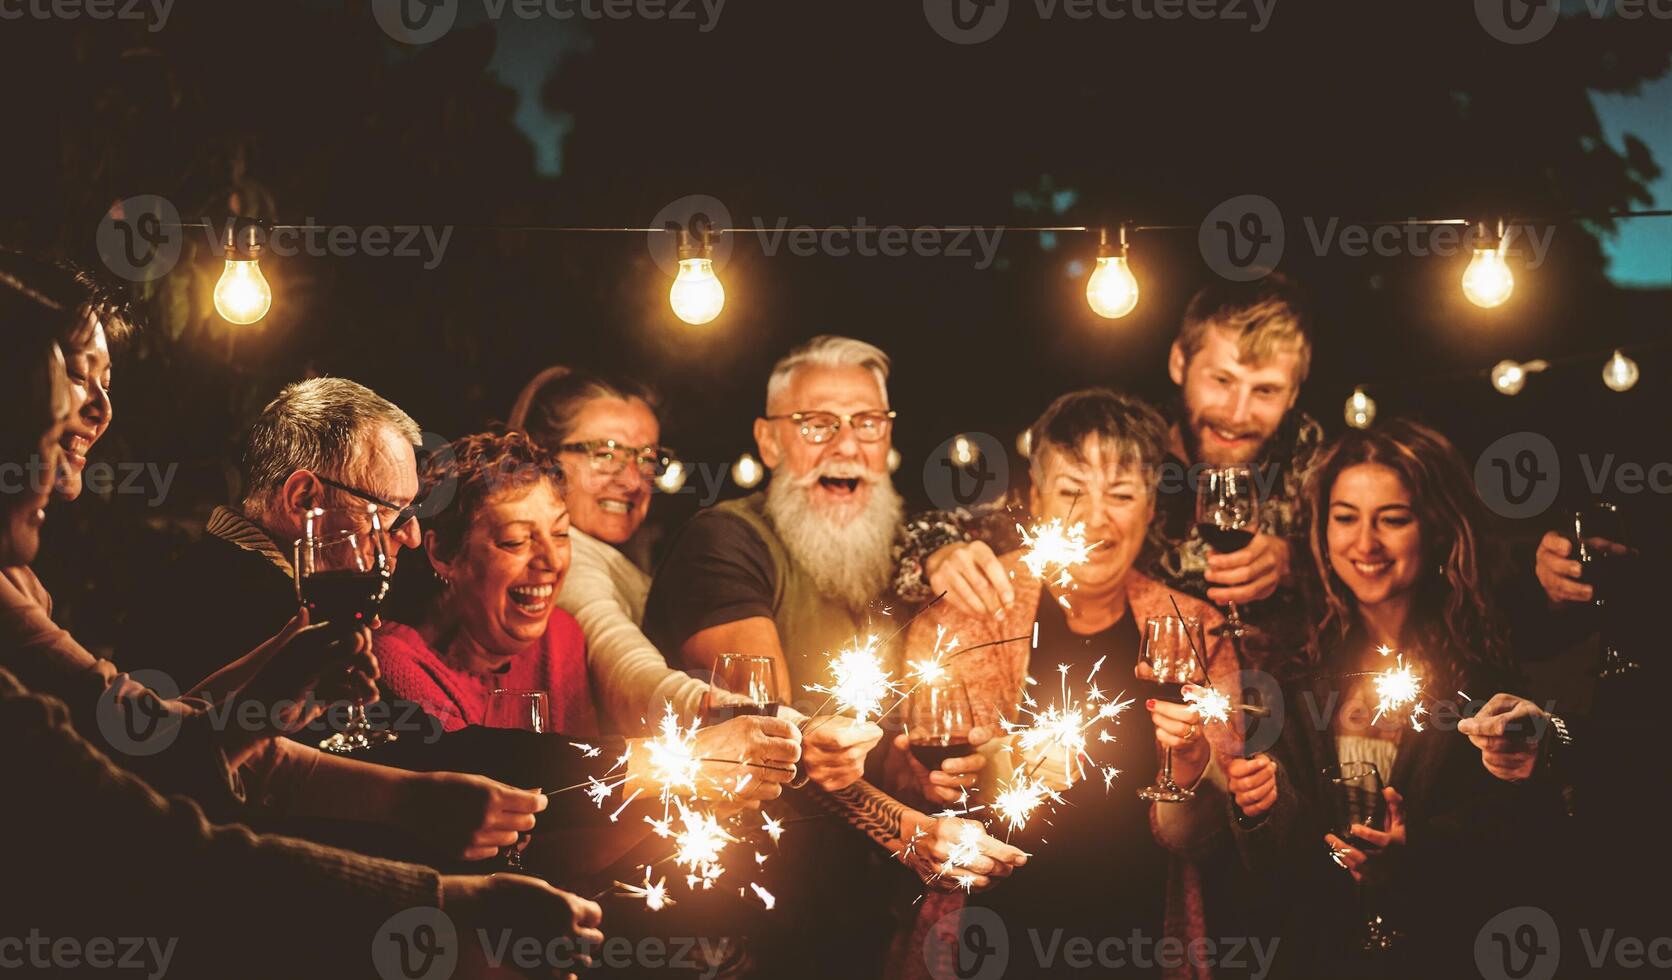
[[1149, 705]]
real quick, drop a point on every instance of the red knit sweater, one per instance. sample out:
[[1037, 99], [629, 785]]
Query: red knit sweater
[[556, 664]]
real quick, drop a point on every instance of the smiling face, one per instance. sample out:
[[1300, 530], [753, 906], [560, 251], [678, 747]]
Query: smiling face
[[1231, 407], [508, 569], [88, 368], [610, 507], [1374, 537], [840, 476], [1110, 495]]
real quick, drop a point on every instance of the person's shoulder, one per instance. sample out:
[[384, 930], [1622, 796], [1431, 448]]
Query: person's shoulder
[[721, 528]]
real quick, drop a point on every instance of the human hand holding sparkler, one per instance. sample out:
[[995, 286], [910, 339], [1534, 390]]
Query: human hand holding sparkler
[[1507, 730], [763, 748], [950, 853], [1253, 783], [524, 908], [833, 747]]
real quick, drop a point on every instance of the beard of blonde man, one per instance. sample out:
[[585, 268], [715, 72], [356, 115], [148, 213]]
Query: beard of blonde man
[[846, 547]]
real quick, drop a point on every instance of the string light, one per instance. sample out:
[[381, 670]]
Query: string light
[[1620, 373], [696, 294], [673, 478], [1487, 282], [1024, 443], [1509, 377], [747, 471], [242, 295], [893, 460], [1112, 291], [964, 451], [1361, 410]]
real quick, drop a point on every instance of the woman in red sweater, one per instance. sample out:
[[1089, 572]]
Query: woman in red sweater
[[500, 548]]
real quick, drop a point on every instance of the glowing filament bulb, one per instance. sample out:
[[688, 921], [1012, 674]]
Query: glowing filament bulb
[[1509, 377], [1620, 373], [964, 451], [242, 295], [1487, 282], [696, 295], [672, 479], [1112, 291], [1361, 409], [747, 471]]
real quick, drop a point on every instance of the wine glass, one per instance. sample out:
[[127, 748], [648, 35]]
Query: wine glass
[[938, 721], [1359, 800], [1599, 542], [1227, 517], [527, 711], [342, 577], [1170, 646], [746, 676]]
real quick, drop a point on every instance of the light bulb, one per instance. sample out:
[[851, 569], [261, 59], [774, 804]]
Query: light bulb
[[964, 451], [697, 296], [1111, 290], [242, 296], [1620, 373], [1508, 378], [1024, 443], [672, 479], [1487, 282], [1361, 409], [893, 460], [747, 471]]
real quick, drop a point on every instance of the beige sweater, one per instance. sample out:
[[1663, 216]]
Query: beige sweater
[[605, 592]]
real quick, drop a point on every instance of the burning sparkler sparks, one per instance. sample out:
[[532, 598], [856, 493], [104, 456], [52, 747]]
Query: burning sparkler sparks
[[1210, 704], [655, 895], [861, 682], [1051, 548], [1397, 689]]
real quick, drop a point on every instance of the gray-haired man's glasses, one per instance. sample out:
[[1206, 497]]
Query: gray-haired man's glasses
[[819, 428]]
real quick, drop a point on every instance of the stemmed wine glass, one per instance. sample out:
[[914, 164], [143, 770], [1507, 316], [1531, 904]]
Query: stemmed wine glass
[[746, 676], [1227, 516], [342, 577], [527, 711], [938, 721], [1359, 800], [1170, 646]]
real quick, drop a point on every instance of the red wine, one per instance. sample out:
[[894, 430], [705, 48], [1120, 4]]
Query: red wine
[[718, 713], [932, 754], [1225, 539], [343, 596]]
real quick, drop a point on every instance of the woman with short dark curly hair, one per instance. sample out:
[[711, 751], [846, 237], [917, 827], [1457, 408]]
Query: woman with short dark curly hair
[[499, 544]]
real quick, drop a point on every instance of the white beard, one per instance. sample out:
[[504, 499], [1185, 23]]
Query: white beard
[[852, 561]]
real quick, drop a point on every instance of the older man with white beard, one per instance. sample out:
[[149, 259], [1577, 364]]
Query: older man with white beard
[[792, 573]]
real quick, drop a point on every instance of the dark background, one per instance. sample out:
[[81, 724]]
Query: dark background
[[822, 114]]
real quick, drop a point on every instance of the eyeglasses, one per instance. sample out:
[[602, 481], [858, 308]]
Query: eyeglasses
[[403, 515], [821, 427], [608, 457]]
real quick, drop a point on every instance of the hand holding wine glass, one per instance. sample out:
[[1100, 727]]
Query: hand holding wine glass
[[1227, 518], [941, 740], [342, 576], [527, 711], [1169, 650]]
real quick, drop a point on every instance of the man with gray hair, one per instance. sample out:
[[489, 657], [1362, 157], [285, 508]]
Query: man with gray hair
[[324, 442]]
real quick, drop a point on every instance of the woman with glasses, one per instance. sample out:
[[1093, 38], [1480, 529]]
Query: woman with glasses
[[607, 437]]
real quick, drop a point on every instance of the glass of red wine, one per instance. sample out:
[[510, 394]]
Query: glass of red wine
[[1169, 647], [748, 678], [1227, 517], [1600, 545], [342, 577], [938, 721], [1359, 800], [527, 711]]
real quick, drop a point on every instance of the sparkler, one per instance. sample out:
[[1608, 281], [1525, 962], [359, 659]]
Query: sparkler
[[1050, 548], [1397, 689], [860, 680], [1210, 704], [655, 895]]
